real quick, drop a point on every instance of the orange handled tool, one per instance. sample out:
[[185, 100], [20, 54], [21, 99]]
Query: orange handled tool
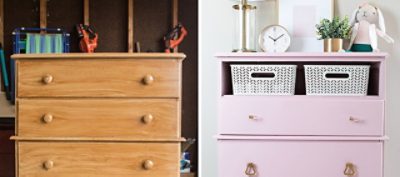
[[174, 38], [89, 37]]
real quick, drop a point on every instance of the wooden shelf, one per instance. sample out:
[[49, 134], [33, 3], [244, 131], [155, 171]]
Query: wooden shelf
[[6, 109], [187, 174]]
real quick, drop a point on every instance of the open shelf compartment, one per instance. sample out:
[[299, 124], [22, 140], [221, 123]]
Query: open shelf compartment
[[376, 74]]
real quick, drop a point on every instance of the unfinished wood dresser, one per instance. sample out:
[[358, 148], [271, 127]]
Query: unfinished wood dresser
[[98, 115]]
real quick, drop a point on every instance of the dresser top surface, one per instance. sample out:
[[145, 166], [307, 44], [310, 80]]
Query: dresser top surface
[[302, 56], [175, 56]]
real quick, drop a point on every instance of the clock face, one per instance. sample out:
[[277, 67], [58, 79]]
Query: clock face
[[274, 39]]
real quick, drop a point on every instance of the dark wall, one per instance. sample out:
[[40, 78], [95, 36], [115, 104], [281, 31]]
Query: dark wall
[[110, 19], [7, 150], [188, 17]]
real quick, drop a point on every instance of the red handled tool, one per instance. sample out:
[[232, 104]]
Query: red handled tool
[[88, 38], [174, 38]]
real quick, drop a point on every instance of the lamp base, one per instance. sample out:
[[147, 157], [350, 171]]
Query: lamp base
[[243, 50]]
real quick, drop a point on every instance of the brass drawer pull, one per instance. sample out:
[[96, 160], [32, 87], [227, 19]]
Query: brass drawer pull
[[355, 120], [148, 79], [48, 165], [350, 170], [148, 164], [47, 79], [147, 119], [47, 118], [251, 169], [253, 117]]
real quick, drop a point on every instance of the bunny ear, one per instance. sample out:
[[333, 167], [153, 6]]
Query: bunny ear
[[381, 22], [353, 18]]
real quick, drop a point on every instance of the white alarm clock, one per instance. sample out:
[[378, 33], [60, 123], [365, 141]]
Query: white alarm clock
[[274, 39]]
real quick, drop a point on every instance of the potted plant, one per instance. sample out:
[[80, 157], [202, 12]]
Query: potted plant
[[333, 33]]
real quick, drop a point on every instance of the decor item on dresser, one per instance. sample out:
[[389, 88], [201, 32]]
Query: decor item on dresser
[[88, 38], [37, 40], [245, 27], [4, 73], [274, 38], [333, 33], [300, 17], [367, 24], [339, 80], [263, 79], [174, 38], [300, 135], [118, 112]]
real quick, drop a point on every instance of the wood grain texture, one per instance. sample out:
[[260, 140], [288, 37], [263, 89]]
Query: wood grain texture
[[175, 12], [94, 139], [99, 55], [130, 26], [98, 159], [98, 78], [175, 16], [43, 13], [187, 175], [86, 17], [121, 118]]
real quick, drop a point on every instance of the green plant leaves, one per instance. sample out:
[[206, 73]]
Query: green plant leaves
[[336, 28]]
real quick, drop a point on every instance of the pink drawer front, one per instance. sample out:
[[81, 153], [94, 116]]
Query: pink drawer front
[[300, 115], [265, 158]]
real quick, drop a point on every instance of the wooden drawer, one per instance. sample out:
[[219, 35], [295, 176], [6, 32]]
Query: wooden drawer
[[122, 118], [98, 159], [300, 158], [301, 115], [98, 78]]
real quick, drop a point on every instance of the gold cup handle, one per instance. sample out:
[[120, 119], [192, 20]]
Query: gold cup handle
[[251, 169], [350, 170]]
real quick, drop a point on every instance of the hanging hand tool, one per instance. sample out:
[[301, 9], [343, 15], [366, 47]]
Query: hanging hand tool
[[4, 73], [88, 36], [174, 38]]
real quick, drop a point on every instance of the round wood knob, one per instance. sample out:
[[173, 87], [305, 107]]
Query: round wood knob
[[148, 164], [47, 118], [47, 79], [148, 118], [48, 165], [148, 79]]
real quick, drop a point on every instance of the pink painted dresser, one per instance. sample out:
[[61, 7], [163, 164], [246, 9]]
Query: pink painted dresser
[[302, 135]]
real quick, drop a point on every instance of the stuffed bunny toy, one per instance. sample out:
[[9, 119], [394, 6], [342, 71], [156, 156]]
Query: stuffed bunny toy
[[367, 22]]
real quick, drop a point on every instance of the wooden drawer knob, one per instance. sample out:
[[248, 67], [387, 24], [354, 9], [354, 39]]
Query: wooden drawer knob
[[47, 79], [47, 118], [48, 165], [148, 79], [147, 119], [148, 164]]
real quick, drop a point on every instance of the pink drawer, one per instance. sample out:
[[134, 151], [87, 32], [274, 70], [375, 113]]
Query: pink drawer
[[301, 115], [300, 158]]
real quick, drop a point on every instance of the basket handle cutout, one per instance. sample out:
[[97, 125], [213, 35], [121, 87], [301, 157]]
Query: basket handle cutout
[[258, 75], [337, 76]]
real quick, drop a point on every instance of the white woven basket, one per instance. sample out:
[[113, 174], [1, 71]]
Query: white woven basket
[[337, 80], [263, 79]]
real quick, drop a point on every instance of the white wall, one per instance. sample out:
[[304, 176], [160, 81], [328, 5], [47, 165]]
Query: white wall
[[216, 26]]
